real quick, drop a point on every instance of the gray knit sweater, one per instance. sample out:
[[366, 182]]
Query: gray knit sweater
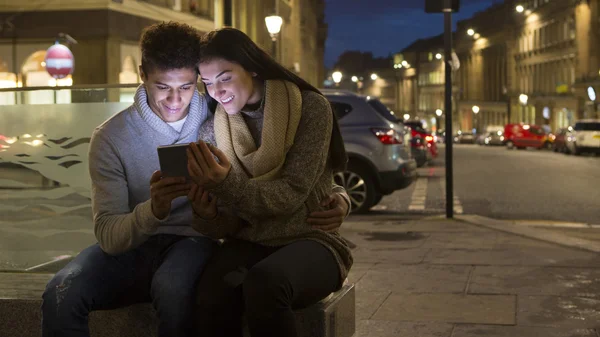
[[274, 213], [122, 158]]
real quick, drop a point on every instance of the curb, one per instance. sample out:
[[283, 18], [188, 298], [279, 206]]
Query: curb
[[532, 232]]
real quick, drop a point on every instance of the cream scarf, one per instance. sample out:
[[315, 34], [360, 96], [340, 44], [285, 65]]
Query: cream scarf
[[282, 112]]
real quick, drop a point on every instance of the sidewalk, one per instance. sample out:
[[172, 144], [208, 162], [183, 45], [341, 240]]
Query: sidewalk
[[450, 278]]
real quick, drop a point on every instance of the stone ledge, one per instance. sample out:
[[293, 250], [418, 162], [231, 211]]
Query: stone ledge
[[20, 302]]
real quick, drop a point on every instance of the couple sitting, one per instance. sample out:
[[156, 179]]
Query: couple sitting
[[254, 231]]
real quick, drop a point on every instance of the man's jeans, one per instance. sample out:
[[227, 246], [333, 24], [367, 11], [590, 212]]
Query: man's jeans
[[163, 270]]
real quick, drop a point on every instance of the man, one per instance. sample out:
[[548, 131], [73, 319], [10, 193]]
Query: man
[[147, 250]]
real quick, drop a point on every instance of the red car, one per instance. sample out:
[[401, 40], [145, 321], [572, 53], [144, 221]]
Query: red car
[[417, 130], [526, 135]]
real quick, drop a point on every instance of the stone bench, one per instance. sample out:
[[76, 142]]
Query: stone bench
[[20, 301]]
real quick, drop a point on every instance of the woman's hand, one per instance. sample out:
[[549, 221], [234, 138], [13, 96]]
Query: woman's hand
[[204, 170], [203, 204], [331, 219]]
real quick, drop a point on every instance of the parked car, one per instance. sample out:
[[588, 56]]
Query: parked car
[[494, 138], [428, 140], [379, 149], [491, 135], [522, 136], [464, 137], [587, 137], [562, 138]]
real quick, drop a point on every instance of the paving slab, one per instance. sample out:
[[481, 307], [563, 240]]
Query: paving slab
[[551, 281], [386, 239], [518, 331], [357, 271], [367, 302], [372, 328], [522, 256], [400, 256], [560, 312], [416, 279], [449, 308], [509, 241], [473, 240], [443, 226]]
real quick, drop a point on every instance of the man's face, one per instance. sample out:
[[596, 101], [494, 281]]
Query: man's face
[[170, 91]]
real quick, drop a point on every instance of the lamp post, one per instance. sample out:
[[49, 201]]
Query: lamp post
[[274, 23], [475, 109], [523, 100]]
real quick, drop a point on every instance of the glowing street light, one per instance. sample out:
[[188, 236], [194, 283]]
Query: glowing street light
[[520, 8], [523, 99], [476, 36], [406, 116], [438, 56], [274, 23], [475, 109], [471, 32], [354, 79], [374, 76], [439, 112], [337, 77]]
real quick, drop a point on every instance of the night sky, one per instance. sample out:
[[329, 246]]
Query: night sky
[[385, 26]]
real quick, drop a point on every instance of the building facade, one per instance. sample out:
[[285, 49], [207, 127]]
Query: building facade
[[420, 94], [532, 61], [482, 80], [107, 34]]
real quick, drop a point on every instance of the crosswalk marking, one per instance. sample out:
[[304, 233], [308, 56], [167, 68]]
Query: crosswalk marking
[[419, 195]]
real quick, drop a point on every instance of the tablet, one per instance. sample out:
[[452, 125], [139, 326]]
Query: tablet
[[173, 160]]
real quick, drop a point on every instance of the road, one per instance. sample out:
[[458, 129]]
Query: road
[[506, 184]]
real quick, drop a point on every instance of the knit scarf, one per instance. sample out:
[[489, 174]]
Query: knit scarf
[[282, 112]]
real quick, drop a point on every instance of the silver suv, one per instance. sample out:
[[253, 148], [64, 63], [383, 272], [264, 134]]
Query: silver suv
[[378, 147]]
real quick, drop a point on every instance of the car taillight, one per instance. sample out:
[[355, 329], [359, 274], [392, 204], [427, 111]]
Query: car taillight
[[387, 136], [429, 139]]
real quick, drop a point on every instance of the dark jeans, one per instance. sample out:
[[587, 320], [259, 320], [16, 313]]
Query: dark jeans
[[163, 270], [266, 284]]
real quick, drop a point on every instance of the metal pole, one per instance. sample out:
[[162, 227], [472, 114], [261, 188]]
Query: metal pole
[[274, 48], [448, 109]]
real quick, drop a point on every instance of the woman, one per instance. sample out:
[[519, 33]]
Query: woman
[[278, 147]]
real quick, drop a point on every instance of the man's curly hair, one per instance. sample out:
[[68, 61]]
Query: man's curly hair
[[170, 45]]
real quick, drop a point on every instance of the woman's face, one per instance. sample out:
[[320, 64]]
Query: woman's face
[[230, 84]]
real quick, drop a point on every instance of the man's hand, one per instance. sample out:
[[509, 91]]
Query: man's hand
[[164, 190], [331, 219], [204, 170], [201, 201]]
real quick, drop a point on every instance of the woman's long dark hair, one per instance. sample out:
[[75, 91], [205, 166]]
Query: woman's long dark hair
[[235, 46]]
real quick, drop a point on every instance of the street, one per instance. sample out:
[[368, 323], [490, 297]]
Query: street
[[506, 184]]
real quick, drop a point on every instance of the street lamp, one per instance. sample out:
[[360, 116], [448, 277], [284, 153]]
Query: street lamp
[[471, 32], [337, 77], [438, 56], [374, 76], [354, 79], [406, 116], [520, 8], [475, 109], [523, 100], [274, 23], [438, 112]]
